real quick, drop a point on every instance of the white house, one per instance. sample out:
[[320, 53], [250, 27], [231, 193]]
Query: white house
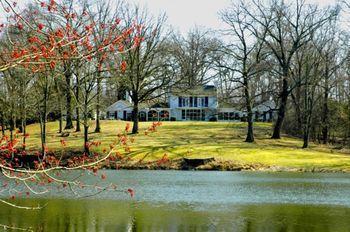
[[119, 110], [198, 104], [122, 110]]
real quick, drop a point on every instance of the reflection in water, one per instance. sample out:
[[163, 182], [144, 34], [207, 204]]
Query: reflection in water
[[198, 201], [108, 215]]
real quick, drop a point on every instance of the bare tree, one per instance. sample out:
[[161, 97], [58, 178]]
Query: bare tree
[[193, 57], [146, 68], [244, 56], [289, 27]]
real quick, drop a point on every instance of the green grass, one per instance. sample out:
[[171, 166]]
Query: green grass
[[221, 140]]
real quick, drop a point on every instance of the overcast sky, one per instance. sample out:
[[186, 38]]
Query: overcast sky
[[185, 14]]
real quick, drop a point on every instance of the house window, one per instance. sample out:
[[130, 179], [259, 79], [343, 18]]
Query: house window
[[152, 115], [193, 101], [227, 116], [164, 115], [206, 101], [184, 102], [203, 115], [202, 102], [232, 116], [128, 116], [257, 116], [142, 116], [195, 115], [192, 114], [107, 114]]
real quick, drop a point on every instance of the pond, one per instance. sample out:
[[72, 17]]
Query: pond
[[198, 201]]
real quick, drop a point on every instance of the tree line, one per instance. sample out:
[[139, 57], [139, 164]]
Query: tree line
[[293, 53]]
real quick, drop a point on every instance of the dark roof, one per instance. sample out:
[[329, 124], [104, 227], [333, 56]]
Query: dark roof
[[160, 105], [206, 90]]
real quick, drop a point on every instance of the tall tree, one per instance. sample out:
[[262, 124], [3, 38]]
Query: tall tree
[[193, 57], [289, 27], [146, 68], [245, 54]]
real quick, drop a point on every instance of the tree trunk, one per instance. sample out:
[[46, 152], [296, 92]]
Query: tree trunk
[[77, 127], [98, 126], [325, 117], [281, 111], [77, 111], [43, 135], [43, 124], [2, 124], [86, 138], [24, 129], [24, 117], [307, 125], [135, 118], [307, 116], [60, 124], [12, 126], [69, 122], [298, 113], [86, 125], [250, 133], [60, 120], [306, 138]]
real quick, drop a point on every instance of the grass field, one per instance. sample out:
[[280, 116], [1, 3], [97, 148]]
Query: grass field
[[221, 140]]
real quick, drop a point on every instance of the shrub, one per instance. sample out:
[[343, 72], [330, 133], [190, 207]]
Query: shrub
[[213, 119]]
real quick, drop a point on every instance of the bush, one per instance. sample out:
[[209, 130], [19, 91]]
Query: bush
[[172, 119], [213, 119]]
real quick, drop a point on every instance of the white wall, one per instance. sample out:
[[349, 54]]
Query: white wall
[[173, 101]]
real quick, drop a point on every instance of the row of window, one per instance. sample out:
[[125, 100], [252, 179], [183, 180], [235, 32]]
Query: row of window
[[228, 116], [193, 101], [152, 115], [195, 115]]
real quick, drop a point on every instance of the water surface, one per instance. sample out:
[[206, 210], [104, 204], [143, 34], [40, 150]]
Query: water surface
[[199, 201]]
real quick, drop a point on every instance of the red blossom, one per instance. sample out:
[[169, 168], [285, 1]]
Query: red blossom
[[20, 26], [40, 26], [63, 142], [52, 64], [127, 127], [123, 66], [131, 192]]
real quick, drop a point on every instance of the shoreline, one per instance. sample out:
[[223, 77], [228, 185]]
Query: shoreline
[[212, 164], [196, 164]]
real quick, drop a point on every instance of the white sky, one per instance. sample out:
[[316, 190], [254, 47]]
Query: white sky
[[185, 14]]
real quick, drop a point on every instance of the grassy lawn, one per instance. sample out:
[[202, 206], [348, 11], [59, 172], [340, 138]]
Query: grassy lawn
[[221, 140]]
